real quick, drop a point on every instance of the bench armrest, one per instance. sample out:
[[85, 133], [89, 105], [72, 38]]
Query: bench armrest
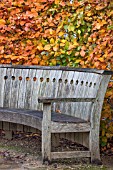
[[52, 100]]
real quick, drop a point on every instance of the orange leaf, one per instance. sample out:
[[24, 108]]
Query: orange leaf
[[82, 53], [36, 60]]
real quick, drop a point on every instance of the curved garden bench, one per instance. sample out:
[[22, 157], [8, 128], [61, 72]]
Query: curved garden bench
[[34, 96]]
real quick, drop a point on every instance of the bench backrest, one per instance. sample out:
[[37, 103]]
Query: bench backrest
[[21, 86]]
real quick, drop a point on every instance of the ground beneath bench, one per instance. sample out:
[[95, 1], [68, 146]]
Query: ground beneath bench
[[24, 153]]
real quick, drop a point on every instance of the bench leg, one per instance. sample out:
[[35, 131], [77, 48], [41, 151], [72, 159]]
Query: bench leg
[[94, 147], [46, 134]]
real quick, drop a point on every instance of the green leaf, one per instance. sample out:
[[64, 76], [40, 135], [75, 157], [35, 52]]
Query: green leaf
[[71, 28], [65, 27], [110, 27], [103, 144]]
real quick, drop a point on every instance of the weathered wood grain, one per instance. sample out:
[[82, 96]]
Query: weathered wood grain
[[20, 117], [29, 89], [72, 154], [8, 87], [2, 85], [70, 127], [51, 100], [15, 88], [36, 90], [95, 122], [22, 88], [46, 133]]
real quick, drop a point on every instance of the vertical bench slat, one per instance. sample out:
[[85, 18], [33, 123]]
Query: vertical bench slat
[[61, 87], [69, 91], [7, 95], [43, 82], [49, 88], [15, 88], [73, 90], [56, 88], [32, 76], [22, 88], [2, 74], [29, 89], [8, 87], [36, 89]]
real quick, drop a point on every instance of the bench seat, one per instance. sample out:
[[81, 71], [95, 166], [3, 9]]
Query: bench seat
[[34, 117]]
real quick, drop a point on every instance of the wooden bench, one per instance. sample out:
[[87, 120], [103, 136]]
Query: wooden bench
[[29, 93]]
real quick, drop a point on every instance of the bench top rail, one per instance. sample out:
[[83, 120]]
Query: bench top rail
[[89, 70]]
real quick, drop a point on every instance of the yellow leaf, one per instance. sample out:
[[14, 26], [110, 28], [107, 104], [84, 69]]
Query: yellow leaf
[[62, 44], [111, 128], [61, 33], [52, 41], [63, 41], [40, 47], [56, 54], [51, 31], [62, 51], [2, 22], [59, 28], [101, 59], [47, 47], [14, 57], [75, 44], [79, 31], [109, 135], [77, 61], [57, 1], [42, 63], [53, 61], [104, 139], [90, 39], [55, 48], [89, 13], [103, 132], [102, 30]]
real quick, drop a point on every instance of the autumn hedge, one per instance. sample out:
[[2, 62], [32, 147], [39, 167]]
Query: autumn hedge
[[77, 33]]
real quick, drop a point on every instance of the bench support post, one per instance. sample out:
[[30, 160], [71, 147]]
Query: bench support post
[[46, 133], [94, 146], [94, 133]]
